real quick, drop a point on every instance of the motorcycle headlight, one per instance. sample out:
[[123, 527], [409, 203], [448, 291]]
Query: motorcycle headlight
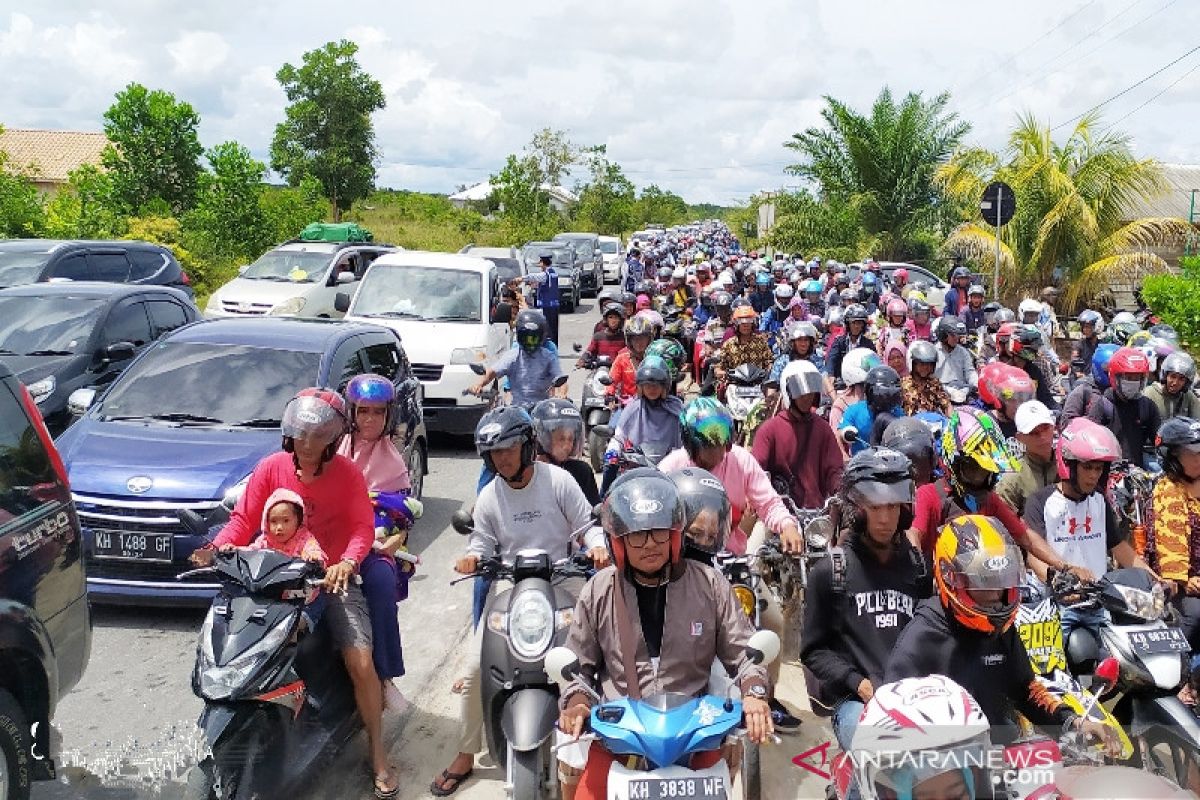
[[1147, 606], [468, 355], [816, 540], [288, 307], [41, 390], [220, 682], [530, 624]]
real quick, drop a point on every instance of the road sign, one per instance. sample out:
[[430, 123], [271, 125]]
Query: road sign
[[998, 203]]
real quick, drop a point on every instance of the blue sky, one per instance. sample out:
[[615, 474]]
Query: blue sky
[[695, 96]]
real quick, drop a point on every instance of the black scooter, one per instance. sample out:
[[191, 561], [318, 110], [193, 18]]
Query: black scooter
[[277, 700], [521, 624]]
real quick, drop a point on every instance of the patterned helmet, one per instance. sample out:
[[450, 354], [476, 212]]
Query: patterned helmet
[[671, 352], [973, 435], [977, 552], [706, 422], [857, 363]]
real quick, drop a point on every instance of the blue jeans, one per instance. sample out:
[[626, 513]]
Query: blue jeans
[[1090, 619], [845, 722]]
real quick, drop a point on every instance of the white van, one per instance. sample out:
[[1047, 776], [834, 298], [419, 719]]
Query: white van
[[297, 279], [441, 305]]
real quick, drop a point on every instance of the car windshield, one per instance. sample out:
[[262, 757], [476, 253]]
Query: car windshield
[[425, 293], [561, 257], [19, 267], [583, 248], [298, 266], [506, 268], [48, 324], [203, 381], [608, 248]]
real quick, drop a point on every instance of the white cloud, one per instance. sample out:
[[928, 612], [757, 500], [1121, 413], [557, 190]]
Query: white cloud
[[198, 53]]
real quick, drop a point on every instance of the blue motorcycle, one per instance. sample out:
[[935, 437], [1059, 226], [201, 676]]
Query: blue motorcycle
[[656, 737]]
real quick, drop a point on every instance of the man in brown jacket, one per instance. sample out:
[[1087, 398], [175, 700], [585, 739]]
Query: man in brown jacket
[[678, 615]]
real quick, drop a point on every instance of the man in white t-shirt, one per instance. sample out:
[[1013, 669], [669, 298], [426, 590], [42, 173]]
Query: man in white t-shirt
[[1073, 515]]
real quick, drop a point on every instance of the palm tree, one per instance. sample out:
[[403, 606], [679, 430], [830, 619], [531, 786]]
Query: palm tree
[[883, 164], [1069, 227]]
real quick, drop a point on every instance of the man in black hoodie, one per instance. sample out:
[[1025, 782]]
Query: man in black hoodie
[[862, 596], [966, 632]]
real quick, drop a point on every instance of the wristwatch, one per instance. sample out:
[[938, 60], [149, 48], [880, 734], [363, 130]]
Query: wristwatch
[[757, 690]]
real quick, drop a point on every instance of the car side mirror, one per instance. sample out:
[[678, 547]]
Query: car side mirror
[[80, 401], [577, 347], [341, 302], [117, 351], [345, 277], [763, 647], [502, 314], [463, 522], [561, 665]]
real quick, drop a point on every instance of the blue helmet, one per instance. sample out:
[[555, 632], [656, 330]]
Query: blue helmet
[[812, 286], [869, 279], [1100, 359], [762, 279]]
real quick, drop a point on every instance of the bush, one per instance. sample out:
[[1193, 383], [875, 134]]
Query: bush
[[1176, 299]]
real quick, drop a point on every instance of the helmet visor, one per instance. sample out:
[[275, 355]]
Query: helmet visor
[[877, 493], [991, 569], [529, 341]]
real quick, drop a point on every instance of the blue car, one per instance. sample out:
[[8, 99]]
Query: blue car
[[185, 424]]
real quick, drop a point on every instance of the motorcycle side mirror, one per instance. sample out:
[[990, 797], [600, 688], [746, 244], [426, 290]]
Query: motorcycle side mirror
[[849, 435], [561, 665], [763, 647], [577, 347], [1106, 675], [605, 431], [605, 380], [463, 522], [478, 369], [560, 380]]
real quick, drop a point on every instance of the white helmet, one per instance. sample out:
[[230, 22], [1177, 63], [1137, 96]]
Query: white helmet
[[915, 729], [857, 363], [1029, 306], [679, 272], [802, 376]]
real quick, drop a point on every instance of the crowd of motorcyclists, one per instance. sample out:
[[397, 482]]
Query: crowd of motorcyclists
[[956, 457]]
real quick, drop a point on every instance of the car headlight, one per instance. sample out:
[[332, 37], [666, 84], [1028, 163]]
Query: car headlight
[[530, 624], [41, 390], [234, 493], [220, 682], [1148, 606], [468, 355], [288, 307]]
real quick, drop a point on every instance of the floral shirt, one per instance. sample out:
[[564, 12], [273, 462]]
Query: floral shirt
[[1172, 547], [917, 394], [756, 351]]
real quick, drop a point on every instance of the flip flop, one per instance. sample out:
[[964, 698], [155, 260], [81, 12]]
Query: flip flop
[[439, 791], [381, 787]]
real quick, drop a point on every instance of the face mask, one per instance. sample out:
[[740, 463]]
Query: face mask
[[1130, 389]]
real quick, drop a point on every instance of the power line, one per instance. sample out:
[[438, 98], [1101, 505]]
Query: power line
[[1126, 90], [1168, 88]]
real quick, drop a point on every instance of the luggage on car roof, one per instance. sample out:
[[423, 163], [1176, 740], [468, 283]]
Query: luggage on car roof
[[335, 232]]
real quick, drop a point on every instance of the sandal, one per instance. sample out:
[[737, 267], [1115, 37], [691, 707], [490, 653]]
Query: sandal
[[442, 791], [382, 790]]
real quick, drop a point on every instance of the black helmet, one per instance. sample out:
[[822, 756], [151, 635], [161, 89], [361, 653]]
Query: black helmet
[[960, 272], [912, 437], [557, 414], [1175, 433], [701, 492], [950, 324], [883, 388], [855, 312], [501, 428], [614, 308], [877, 476], [654, 369], [664, 273], [642, 499], [645, 287], [531, 330]]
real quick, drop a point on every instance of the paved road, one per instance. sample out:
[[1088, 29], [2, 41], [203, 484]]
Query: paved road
[[130, 721]]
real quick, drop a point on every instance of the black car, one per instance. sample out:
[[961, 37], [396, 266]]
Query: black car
[[25, 261], [59, 337], [45, 625]]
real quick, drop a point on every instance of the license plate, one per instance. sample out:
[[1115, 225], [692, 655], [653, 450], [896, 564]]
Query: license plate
[[133, 546], [706, 787], [1164, 640], [747, 391]]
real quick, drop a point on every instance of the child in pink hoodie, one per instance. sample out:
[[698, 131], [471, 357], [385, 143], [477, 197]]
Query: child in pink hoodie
[[283, 528]]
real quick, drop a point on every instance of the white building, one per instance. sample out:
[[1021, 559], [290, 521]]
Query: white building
[[560, 198]]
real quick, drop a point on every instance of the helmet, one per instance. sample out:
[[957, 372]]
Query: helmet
[[803, 330], [878, 476], [1005, 334], [1175, 433], [950, 325], [1128, 361], [744, 313], [315, 413], [706, 422], [857, 363], [664, 274], [637, 326], [848, 296], [1026, 342], [869, 281], [722, 300], [977, 552], [702, 494], [897, 308], [1100, 359], [784, 291], [1004, 315], [644, 287], [915, 729], [654, 318], [900, 274], [841, 279], [812, 287], [855, 313], [972, 435], [762, 279], [921, 352], [654, 369], [531, 330], [976, 289], [1180, 363], [912, 437], [1012, 385], [882, 388], [797, 379], [628, 298], [959, 272], [643, 499], [1029, 306], [375, 389], [1124, 329], [557, 414], [501, 428], [1165, 331], [1093, 318], [1084, 440], [917, 305], [614, 308], [669, 351]]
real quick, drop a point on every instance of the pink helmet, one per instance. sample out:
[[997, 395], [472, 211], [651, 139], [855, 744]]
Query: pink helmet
[[643, 302], [1084, 440], [897, 307], [901, 273]]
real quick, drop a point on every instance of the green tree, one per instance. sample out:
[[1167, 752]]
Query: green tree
[[228, 218], [21, 212], [1070, 226], [883, 164], [154, 157], [607, 200], [525, 206], [286, 210], [829, 229], [327, 132], [86, 208], [659, 206]]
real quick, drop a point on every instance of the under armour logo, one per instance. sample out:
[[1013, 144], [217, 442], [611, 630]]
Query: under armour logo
[[1072, 523]]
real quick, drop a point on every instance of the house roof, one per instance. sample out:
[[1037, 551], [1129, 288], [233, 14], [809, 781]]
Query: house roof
[[481, 191], [51, 155], [1181, 180]]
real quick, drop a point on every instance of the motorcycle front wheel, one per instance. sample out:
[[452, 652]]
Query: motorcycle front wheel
[[529, 774], [751, 771]]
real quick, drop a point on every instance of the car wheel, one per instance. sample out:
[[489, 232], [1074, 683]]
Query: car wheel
[[417, 461], [15, 769]]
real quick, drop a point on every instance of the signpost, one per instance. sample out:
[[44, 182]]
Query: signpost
[[997, 206]]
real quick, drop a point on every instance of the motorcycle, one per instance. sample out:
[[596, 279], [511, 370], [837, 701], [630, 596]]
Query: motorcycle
[[522, 623], [1129, 490], [743, 390], [657, 736], [594, 407], [277, 699]]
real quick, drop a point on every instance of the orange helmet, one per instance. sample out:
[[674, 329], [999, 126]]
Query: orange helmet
[[744, 314], [976, 552]]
